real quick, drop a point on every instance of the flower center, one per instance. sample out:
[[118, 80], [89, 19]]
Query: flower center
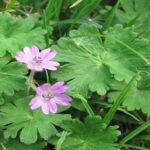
[[36, 61], [48, 95]]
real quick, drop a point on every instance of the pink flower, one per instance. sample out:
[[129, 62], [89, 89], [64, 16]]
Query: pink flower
[[37, 61], [49, 96]]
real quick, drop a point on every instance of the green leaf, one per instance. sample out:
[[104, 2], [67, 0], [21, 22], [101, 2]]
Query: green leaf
[[18, 117], [90, 135], [16, 145], [11, 76], [90, 63], [84, 55], [16, 33]]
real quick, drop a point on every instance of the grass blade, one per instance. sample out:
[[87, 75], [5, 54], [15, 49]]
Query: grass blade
[[134, 133], [111, 15], [119, 100], [52, 11], [83, 9]]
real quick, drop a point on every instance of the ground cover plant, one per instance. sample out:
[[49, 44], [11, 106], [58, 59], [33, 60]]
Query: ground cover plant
[[75, 75]]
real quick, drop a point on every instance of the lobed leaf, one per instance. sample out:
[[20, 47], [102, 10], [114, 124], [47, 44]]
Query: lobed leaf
[[18, 117], [92, 134], [91, 64], [18, 33], [11, 76]]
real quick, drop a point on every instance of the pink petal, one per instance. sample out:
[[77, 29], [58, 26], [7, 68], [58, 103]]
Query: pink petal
[[62, 99], [35, 51], [28, 53], [21, 57], [47, 54], [49, 67], [62, 89], [53, 63], [52, 107], [43, 88], [35, 102], [34, 68], [59, 87], [45, 108]]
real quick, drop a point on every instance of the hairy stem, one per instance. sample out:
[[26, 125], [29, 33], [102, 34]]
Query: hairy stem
[[30, 80], [86, 105]]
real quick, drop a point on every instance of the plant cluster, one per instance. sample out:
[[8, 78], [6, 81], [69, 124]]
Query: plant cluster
[[75, 75]]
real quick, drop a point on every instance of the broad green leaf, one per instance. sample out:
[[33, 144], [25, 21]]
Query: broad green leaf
[[16, 33], [16, 145], [18, 117], [11, 76], [90, 63], [137, 98], [90, 135]]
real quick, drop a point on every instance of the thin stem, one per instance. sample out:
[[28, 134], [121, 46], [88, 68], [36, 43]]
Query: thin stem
[[61, 140], [47, 76], [86, 105], [3, 147], [134, 133], [30, 80]]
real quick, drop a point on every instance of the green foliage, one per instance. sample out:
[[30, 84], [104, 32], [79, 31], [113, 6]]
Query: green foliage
[[135, 12], [18, 116], [91, 63], [92, 135], [132, 11], [18, 33], [11, 76], [16, 145], [106, 63], [84, 8], [108, 117], [138, 97]]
